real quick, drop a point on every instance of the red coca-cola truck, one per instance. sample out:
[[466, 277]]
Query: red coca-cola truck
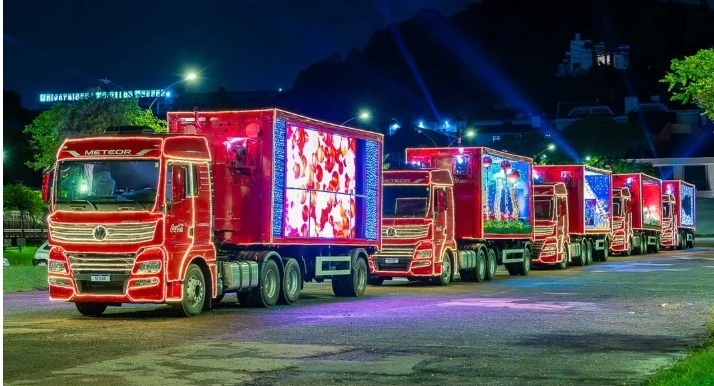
[[636, 213], [250, 202], [572, 214], [457, 211], [680, 223]]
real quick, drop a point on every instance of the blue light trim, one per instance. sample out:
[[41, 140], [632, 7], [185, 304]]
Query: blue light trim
[[372, 169], [279, 177]]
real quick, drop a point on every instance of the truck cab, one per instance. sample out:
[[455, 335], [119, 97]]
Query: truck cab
[[669, 222], [622, 235], [551, 235], [417, 227], [126, 213]]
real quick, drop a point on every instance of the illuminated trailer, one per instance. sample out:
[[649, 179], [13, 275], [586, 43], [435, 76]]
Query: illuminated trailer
[[679, 226], [636, 214]]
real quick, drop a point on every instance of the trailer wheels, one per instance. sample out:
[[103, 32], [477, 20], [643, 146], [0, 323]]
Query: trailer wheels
[[352, 285], [194, 292], [91, 309], [491, 264], [268, 290], [566, 259], [480, 270], [605, 253], [292, 281], [682, 241], [525, 267]]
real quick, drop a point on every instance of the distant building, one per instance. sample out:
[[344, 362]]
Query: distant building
[[584, 54]]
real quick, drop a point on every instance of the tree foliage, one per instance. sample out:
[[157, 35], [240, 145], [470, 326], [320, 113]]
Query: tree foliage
[[23, 199], [85, 117], [692, 80]]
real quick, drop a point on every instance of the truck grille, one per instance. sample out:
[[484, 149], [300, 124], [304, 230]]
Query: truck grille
[[115, 233], [96, 263], [118, 267], [405, 232], [394, 258]]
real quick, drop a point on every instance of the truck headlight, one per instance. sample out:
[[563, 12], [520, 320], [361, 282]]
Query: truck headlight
[[149, 267], [423, 254], [56, 267]]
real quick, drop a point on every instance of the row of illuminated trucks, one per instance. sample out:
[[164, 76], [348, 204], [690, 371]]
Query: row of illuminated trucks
[[467, 210], [258, 202]]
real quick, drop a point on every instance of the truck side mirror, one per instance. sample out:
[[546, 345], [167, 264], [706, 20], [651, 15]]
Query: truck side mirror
[[47, 184]]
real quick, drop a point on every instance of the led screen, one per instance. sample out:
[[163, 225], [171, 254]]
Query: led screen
[[506, 183], [319, 184], [597, 200], [651, 203], [687, 205]]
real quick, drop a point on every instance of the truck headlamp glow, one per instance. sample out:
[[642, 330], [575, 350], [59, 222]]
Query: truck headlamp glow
[[149, 267], [56, 267], [423, 254]]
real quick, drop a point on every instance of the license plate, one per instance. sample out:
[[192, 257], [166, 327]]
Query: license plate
[[391, 261], [102, 278]]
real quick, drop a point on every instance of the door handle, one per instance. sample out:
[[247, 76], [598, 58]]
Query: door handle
[[190, 231]]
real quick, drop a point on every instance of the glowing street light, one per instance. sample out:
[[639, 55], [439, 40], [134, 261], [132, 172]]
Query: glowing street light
[[189, 77], [550, 147], [362, 116], [468, 134]]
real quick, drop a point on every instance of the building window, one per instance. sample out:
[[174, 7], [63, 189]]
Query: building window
[[697, 175]]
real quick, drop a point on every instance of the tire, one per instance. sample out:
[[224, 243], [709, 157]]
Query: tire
[[292, 282], [268, 290], [682, 242], [480, 271], [194, 295], [91, 309], [589, 252], [643, 245], [447, 271], [628, 251], [566, 258], [354, 284], [524, 268], [658, 244], [491, 264]]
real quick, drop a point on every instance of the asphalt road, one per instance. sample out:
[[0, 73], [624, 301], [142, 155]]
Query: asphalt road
[[608, 323]]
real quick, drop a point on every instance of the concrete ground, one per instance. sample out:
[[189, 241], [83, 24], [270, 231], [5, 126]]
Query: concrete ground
[[606, 324]]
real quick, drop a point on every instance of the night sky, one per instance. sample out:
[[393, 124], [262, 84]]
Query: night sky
[[66, 46]]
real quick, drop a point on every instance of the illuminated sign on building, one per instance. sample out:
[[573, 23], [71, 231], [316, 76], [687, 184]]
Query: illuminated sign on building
[[71, 97]]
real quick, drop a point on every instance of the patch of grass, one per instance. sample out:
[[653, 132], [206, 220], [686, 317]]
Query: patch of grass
[[697, 369], [18, 258], [15, 279]]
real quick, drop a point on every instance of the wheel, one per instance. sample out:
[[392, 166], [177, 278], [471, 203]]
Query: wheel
[[588, 252], [643, 245], [658, 244], [446, 270], [525, 267], [268, 290], [682, 242], [91, 309], [354, 284], [480, 270], [375, 281], [292, 282], [628, 251], [194, 292], [491, 264], [566, 258]]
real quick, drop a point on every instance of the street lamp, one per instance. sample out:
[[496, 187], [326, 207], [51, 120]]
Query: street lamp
[[468, 134], [550, 147], [363, 115], [190, 76]]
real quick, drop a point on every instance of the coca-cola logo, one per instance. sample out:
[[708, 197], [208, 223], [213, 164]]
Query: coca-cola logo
[[176, 228]]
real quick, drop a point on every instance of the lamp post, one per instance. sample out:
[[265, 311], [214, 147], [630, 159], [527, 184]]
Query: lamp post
[[188, 77], [363, 115], [550, 147], [468, 134]]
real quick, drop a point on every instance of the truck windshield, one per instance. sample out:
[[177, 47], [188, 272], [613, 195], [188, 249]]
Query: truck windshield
[[543, 209], [405, 200], [106, 185], [616, 205]]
